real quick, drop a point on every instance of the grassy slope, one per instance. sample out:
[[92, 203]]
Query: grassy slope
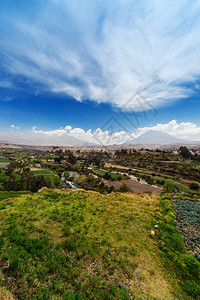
[[12, 194], [86, 245]]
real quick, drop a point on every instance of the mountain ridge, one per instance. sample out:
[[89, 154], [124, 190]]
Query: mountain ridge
[[157, 137]]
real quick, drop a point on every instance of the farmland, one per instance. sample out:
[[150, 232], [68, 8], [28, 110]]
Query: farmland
[[113, 175], [4, 162], [183, 163]]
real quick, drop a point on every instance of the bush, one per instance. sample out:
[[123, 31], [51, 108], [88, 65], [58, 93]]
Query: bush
[[194, 186], [107, 176], [170, 188], [124, 188]]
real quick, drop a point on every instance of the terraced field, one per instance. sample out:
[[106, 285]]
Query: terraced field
[[4, 162], [183, 163], [113, 175]]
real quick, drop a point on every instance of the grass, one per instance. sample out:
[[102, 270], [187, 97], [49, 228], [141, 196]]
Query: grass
[[108, 165], [2, 159], [4, 164], [113, 175], [182, 163], [84, 245], [168, 180], [41, 172], [52, 177], [176, 184], [6, 195], [3, 175]]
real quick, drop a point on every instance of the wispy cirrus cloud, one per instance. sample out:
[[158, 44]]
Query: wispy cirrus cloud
[[106, 52]]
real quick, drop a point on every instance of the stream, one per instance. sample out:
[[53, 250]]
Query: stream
[[71, 183], [134, 178]]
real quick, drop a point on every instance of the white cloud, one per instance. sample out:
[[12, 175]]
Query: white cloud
[[5, 84], [107, 51], [13, 126], [66, 137], [184, 130], [97, 137], [78, 137]]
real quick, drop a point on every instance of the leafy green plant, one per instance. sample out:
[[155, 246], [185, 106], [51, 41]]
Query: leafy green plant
[[174, 253]]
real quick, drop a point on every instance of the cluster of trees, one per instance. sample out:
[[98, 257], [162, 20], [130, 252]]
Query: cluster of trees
[[108, 176], [96, 158], [194, 186], [66, 155], [12, 181], [95, 184], [185, 153]]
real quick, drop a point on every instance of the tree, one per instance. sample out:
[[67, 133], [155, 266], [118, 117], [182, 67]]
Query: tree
[[107, 176], [194, 186], [124, 188], [185, 152], [71, 158], [57, 159]]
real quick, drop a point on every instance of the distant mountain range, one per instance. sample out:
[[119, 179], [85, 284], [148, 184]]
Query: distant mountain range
[[157, 137], [151, 139], [66, 140]]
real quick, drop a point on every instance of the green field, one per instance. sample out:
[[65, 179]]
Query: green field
[[2, 159], [183, 163], [46, 173], [4, 164], [113, 175], [41, 172], [6, 195], [84, 245], [176, 184]]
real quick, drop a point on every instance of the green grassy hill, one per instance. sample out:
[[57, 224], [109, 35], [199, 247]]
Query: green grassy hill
[[84, 245]]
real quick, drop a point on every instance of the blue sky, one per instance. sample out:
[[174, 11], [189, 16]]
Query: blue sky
[[83, 65]]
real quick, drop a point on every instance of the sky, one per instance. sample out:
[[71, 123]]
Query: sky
[[98, 71]]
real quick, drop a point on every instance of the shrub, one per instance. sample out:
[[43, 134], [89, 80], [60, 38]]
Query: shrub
[[124, 188], [194, 186], [170, 188], [107, 176]]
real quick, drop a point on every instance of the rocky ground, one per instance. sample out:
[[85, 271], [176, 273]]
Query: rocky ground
[[134, 187]]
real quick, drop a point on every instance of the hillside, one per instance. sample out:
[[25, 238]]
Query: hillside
[[84, 245]]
